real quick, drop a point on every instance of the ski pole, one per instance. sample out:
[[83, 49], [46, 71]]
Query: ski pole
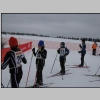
[[29, 69], [87, 67], [53, 63], [62, 77], [8, 83], [97, 70], [1, 81], [35, 76]]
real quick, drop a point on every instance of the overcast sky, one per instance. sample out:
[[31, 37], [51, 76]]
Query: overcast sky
[[67, 25]]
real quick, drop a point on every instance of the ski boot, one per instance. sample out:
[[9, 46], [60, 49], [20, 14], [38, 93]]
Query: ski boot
[[62, 72], [36, 85], [80, 65], [40, 83], [99, 75]]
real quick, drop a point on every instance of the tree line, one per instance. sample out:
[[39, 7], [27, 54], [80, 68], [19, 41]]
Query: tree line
[[32, 34], [86, 39]]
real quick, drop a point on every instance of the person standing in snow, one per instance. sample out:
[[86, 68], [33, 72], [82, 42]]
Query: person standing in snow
[[13, 58], [83, 52], [41, 55], [63, 51], [94, 46]]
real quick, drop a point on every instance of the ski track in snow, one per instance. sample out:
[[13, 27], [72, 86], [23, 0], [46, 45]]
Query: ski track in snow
[[76, 79]]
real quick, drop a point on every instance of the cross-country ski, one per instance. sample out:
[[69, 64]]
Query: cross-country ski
[[58, 74], [41, 86], [94, 81], [92, 75]]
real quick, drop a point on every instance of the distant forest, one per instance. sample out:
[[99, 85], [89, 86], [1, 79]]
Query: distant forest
[[32, 34]]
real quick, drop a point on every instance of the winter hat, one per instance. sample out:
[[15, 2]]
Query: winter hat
[[62, 43], [41, 43], [13, 42], [83, 40], [94, 40]]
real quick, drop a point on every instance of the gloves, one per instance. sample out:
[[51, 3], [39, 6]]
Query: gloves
[[65, 55], [33, 49], [78, 51], [39, 52], [79, 45]]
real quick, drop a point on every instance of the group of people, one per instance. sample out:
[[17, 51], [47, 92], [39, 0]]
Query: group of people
[[15, 56]]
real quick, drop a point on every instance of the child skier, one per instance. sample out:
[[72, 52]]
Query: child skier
[[94, 46], [13, 58], [41, 55], [63, 51], [83, 52]]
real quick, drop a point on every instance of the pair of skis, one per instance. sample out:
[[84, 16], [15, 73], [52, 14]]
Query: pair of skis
[[94, 81], [48, 84], [77, 66], [41, 86], [93, 76], [59, 74]]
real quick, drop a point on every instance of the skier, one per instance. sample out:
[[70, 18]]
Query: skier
[[94, 46], [13, 58], [41, 55], [99, 47], [63, 51], [83, 52]]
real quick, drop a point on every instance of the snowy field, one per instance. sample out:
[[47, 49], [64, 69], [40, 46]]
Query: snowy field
[[75, 79]]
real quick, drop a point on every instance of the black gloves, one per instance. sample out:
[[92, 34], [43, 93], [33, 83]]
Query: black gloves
[[79, 45], [39, 52], [65, 55], [78, 51], [33, 49]]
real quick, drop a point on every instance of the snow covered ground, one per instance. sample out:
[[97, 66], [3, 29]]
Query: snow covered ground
[[75, 79]]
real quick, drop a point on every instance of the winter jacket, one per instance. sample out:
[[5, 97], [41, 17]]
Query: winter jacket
[[40, 56], [94, 46], [83, 49], [63, 51], [13, 58]]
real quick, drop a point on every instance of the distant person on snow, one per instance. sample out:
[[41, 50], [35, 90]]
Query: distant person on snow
[[94, 46], [41, 55], [83, 52], [13, 58], [99, 47], [63, 51]]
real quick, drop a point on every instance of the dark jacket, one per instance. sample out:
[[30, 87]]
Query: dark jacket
[[63, 51], [83, 49], [10, 59], [41, 55]]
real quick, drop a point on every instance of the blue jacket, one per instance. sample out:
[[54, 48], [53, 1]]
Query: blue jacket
[[63, 51], [83, 49]]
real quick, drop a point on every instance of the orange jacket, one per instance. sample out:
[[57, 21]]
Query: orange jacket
[[94, 46]]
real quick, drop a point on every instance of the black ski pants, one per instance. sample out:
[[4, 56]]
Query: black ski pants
[[39, 74], [82, 59], [16, 78], [94, 52], [62, 64]]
